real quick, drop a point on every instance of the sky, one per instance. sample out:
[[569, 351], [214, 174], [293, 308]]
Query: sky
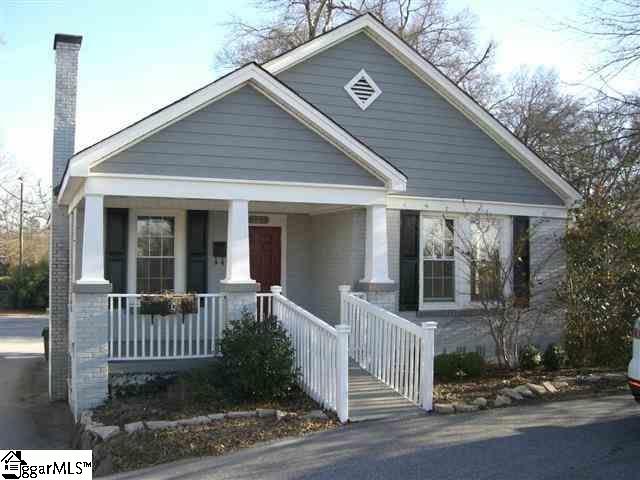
[[138, 56]]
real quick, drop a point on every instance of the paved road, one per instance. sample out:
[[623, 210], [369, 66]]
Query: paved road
[[580, 439], [27, 419]]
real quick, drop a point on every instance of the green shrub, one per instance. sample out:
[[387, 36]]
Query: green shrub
[[602, 288], [554, 357], [28, 285], [530, 357], [454, 366], [257, 359]]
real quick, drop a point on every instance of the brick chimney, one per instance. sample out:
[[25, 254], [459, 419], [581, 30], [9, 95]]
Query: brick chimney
[[67, 48]]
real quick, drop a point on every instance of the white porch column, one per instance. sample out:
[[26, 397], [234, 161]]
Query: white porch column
[[93, 241], [239, 287], [238, 270], [376, 266], [380, 289]]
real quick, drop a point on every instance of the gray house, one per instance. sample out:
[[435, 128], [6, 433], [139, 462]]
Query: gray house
[[349, 160]]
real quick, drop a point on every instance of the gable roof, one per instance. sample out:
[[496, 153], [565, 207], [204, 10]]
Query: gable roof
[[252, 74], [433, 77]]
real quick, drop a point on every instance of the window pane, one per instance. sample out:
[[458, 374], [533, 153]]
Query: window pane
[[167, 247], [143, 226], [143, 246], [167, 267]]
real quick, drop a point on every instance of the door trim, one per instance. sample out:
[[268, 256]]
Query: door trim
[[277, 220]]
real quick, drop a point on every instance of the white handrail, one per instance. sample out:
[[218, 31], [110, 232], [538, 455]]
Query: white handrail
[[137, 336], [321, 354], [394, 350]]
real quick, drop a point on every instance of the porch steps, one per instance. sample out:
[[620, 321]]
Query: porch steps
[[371, 399]]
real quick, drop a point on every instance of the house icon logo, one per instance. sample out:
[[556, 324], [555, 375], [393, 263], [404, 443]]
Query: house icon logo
[[11, 464]]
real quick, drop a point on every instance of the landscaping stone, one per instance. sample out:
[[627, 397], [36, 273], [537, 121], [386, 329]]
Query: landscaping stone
[[501, 401], [537, 389], [315, 415], [550, 387], [195, 420], [512, 394], [216, 416], [86, 417], [444, 408], [480, 402], [590, 378], [241, 414], [160, 424], [265, 412], [465, 407], [560, 385], [104, 432], [280, 414], [524, 391], [133, 427]]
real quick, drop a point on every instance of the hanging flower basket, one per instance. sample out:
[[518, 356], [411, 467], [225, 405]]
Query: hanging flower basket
[[187, 304], [162, 305]]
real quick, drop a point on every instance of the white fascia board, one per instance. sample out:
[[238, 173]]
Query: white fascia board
[[462, 206], [157, 186], [439, 82], [261, 80]]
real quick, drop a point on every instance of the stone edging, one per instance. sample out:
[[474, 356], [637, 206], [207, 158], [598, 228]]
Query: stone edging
[[90, 435], [508, 396]]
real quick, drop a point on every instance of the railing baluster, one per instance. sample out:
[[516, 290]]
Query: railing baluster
[[205, 322]]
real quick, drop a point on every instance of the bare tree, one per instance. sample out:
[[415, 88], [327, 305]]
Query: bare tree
[[508, 316], [446, 39]]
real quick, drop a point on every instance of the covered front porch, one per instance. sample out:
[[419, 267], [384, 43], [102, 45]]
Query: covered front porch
[[229, 252]]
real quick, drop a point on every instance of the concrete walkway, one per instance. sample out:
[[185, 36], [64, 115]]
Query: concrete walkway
[[371, 399]]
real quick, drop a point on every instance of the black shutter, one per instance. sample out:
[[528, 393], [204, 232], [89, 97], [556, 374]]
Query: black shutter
[[521, 260], [116, 248], [409, 255], [197, 251]]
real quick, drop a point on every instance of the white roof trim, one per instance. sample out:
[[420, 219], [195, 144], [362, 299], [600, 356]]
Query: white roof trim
[[258, 78], [439, 82]]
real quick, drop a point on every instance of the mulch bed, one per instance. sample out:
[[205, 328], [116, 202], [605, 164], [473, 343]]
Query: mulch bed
[[148, 448], [495, 380], [172, 404]]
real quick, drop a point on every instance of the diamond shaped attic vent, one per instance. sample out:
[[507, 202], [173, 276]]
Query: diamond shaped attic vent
[[362, 89]]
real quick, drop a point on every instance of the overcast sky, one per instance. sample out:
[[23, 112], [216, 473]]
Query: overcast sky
[[137, 56]]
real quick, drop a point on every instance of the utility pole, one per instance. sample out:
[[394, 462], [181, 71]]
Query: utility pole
[[20, 231]]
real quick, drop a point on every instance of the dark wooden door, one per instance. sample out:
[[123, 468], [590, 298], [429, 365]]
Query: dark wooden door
[[265, 256]]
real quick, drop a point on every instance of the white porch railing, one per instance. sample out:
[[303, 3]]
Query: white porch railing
[[264, 306], [394, 350], [133, 336], [322, 356]]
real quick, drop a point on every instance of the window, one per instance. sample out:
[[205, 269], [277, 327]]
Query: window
[[485, 269], [438, 260], [155, 254]]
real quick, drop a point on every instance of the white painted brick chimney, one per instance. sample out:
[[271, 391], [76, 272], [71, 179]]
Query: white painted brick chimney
[[67, 48]]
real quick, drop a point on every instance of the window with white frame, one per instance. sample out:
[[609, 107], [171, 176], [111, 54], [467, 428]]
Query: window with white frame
[[155, 239], [485, 267], [437, 261]]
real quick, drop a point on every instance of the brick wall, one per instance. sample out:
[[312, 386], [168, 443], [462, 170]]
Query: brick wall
[[63, 148]]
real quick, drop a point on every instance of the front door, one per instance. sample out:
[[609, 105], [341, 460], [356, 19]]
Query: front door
[[265, 256]]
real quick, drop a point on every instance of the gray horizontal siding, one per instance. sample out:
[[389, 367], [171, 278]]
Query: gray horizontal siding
[[442, 153], [242, 136]]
